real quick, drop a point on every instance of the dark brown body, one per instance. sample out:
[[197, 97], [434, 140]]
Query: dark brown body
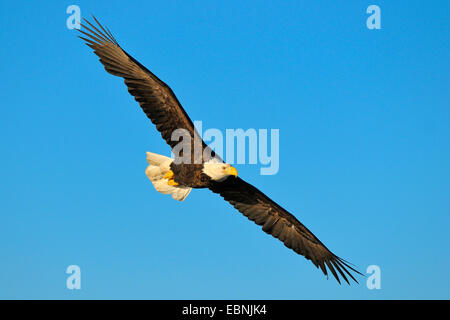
[[190, 175]]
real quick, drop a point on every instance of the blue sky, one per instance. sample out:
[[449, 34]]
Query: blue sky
[[364, 149]]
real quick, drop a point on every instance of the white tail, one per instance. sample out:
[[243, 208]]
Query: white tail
[[159, 165], [156, 159]]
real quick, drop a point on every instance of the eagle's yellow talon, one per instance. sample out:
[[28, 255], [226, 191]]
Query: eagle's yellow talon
[[172, 182], [169, 175]]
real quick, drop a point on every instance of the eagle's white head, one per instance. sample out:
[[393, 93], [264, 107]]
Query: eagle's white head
[[218, 171]]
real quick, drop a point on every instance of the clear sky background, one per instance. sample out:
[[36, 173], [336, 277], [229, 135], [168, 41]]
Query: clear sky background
[[364, 149]]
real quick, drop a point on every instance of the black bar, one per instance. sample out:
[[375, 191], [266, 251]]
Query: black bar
[[222, 309]]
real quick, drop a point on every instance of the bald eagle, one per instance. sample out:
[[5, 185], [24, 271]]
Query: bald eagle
[[205, 169]]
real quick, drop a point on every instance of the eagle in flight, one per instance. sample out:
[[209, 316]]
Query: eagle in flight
[[201, 167]]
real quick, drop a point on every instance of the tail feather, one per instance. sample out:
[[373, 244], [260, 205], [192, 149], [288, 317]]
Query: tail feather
[[158, 166], [156, 159]]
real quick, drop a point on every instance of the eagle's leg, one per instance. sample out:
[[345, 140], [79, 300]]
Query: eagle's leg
[[169, 176]]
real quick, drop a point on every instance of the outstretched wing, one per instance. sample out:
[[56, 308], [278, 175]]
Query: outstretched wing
[[155, 97], [276, 221]]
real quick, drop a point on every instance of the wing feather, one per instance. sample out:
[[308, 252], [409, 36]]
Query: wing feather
[[155, 97], [278, 222]]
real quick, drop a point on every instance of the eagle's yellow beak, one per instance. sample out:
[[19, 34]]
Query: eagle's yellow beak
[[231, 171]]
